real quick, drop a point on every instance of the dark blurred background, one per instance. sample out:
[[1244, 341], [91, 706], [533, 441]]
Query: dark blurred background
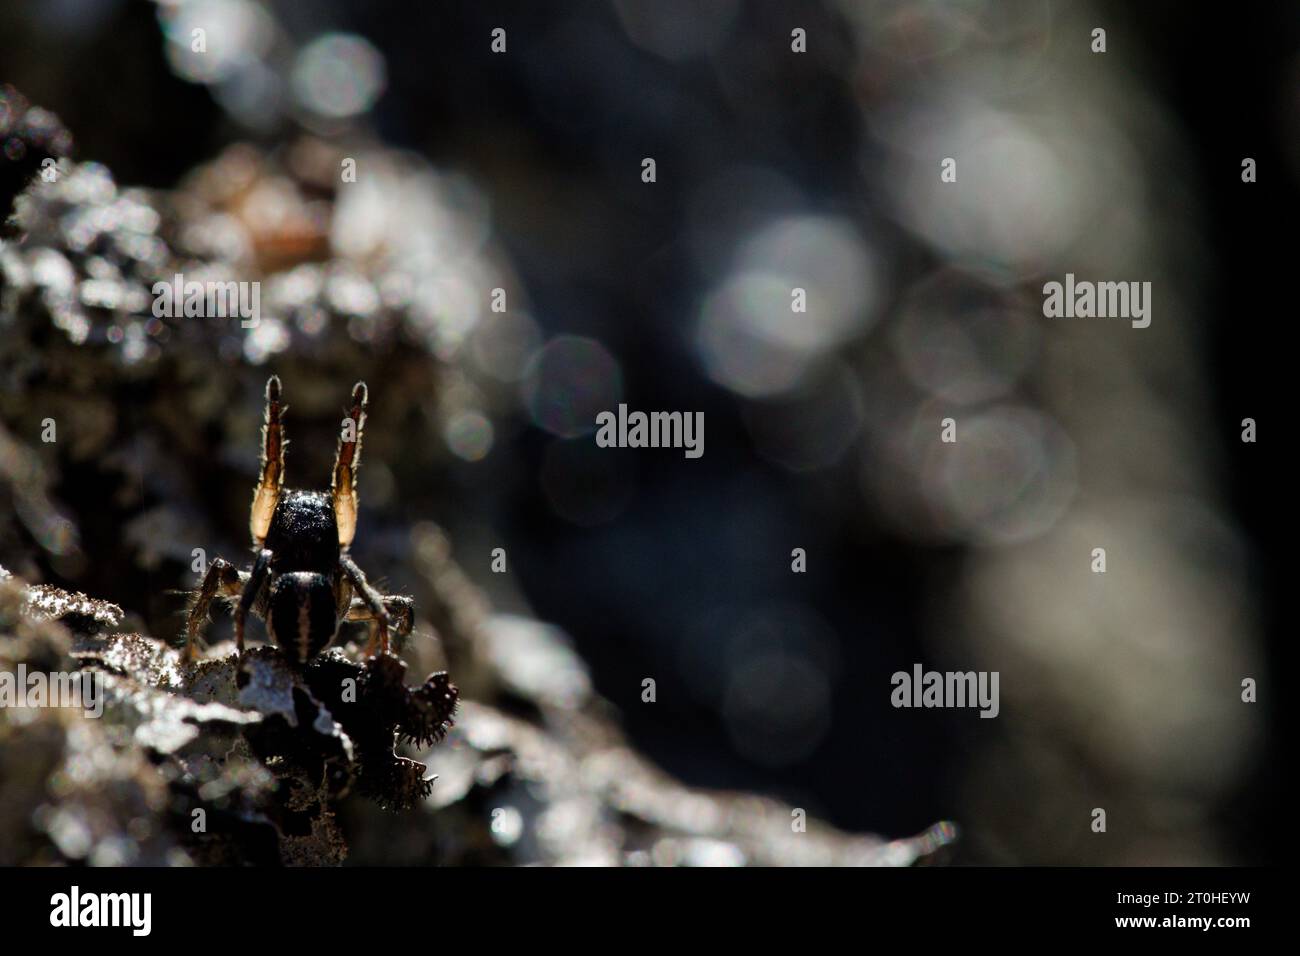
[[821, 170]]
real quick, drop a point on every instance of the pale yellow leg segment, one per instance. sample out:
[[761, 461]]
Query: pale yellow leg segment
[[346, 463], [272, 479]]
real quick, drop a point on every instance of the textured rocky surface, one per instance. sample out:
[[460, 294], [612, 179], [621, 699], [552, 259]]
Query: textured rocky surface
[[225, 762], [156, 421]]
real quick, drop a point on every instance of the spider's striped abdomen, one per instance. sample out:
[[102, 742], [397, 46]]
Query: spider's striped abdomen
[[301, 614]]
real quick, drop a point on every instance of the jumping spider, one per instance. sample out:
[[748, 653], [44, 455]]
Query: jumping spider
[[303, 582]]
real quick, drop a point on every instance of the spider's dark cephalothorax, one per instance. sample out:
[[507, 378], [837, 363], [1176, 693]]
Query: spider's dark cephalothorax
[[303, 582]]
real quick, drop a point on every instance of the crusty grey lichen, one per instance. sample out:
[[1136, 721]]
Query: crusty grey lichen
[[216, 747], [73, 789], [249, 750]]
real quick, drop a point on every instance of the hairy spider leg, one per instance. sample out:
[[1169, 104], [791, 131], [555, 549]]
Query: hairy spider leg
[[271, 479], [343, 487], [252, 587], [401, 615], [222, 579], [373, 600]]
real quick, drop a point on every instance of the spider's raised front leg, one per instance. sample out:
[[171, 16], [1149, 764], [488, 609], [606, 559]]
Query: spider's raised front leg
[[343, 487], [222, 579], [271, 479], [374, 603], [401, 614]]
